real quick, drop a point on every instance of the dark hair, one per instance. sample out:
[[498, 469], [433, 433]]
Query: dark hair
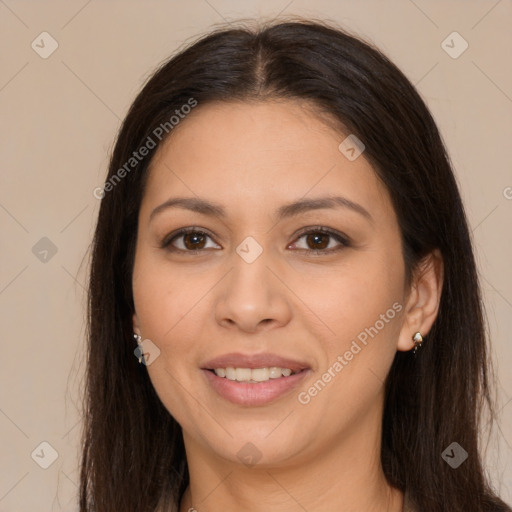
[[133, 453]]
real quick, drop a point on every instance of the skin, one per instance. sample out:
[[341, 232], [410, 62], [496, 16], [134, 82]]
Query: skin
[[252, 158]]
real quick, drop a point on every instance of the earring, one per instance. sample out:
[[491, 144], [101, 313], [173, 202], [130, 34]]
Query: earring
[[418, 340], [139, 343]]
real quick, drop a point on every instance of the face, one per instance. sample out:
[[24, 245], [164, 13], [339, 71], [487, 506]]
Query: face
[[317, 288]]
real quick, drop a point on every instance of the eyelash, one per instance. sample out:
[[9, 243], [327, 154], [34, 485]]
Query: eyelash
[[343, 240]]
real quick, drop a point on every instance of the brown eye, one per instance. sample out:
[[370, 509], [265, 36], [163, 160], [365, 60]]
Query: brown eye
[[187, 241], [194, 241], [321, 240], [317, 240]]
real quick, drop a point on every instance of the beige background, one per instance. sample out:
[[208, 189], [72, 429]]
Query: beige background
[[59, 119]]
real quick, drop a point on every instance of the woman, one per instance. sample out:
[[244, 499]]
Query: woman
[[284, 309]]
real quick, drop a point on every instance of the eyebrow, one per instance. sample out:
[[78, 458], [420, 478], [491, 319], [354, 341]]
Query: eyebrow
[[288, 210]]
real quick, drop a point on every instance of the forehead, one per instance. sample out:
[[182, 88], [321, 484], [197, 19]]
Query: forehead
[[249, 154]]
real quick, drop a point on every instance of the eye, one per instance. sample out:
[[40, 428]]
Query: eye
[[190, 240], [317, 240]]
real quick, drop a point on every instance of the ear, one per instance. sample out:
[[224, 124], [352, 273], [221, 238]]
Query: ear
[[423, 300]]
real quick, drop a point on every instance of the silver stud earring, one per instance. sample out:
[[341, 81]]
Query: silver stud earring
[[138, 337], [418, 340]]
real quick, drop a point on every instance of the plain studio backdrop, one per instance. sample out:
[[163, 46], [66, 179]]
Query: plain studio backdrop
[[68, 72]]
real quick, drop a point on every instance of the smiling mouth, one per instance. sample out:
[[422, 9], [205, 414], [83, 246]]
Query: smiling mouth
[[254, 387]]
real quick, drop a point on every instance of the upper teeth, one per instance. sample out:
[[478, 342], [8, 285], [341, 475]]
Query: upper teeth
[[253, 374]]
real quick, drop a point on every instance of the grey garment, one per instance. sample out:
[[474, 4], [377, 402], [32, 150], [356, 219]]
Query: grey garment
[[408, 505]]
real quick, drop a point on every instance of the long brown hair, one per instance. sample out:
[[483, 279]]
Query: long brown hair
[[133, 453]]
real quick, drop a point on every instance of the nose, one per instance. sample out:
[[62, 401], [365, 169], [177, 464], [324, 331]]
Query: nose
[[252, 298]]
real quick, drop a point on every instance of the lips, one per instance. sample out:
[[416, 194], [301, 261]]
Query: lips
[[253, 395], [265, 360]]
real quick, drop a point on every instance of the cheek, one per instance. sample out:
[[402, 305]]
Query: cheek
[[360, 295], [165, 303], [167, 307], [364, 310]]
